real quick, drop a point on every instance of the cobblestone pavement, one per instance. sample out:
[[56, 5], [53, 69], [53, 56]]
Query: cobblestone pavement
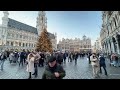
[[80, 71]]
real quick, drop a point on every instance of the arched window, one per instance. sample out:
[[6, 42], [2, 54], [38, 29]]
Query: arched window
[[111, 26], [115, 22], [119, 12], [19, 44], [11, 43], [26, 44], [23, 44]]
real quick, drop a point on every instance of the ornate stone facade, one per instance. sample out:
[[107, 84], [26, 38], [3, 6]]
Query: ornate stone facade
[[76, 44], [17, 35], [110, 32]]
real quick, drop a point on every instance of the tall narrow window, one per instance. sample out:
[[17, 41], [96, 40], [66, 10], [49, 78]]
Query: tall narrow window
[[115, 23], [19, 44], [11, 43], [7, 43]]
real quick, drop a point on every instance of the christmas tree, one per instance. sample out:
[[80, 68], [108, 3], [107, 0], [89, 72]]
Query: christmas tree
[[44, 43]]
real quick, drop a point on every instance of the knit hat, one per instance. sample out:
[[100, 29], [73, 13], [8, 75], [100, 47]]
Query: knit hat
[[52, 58]]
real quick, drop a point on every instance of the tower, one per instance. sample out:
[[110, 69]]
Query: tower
[[55, 40], [5, 19], [41, 22]]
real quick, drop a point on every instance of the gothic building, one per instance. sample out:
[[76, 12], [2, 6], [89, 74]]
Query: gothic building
[[110, 32], [17, 35]]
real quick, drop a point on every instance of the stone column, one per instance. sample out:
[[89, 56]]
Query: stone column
[[109, 47], [118, 48], [112, 46]]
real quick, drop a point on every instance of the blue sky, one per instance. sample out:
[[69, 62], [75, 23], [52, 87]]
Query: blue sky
[[67, 24]]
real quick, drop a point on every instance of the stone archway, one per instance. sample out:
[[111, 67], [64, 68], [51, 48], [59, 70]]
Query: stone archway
[[118, 40], [114, 43]]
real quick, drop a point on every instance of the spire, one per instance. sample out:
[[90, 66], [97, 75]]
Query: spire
[[5, 18], [41, 21], [5, 13]]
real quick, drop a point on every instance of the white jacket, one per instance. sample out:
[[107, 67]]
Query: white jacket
[[30, 65], [94, 61]]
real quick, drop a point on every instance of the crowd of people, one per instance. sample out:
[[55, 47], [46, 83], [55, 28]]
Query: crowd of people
[[98, 61], [53, 61], [36, 59]]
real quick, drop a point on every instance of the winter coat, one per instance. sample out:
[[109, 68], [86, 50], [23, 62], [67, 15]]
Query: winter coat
[[37, 57], [102, 61], [94, 61], [30, 65], [49, 73], [64, 55], [11, 56]]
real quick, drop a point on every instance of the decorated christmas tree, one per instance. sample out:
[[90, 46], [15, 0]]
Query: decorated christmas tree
[[44, 43]]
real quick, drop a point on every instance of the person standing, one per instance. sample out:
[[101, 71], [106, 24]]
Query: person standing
[[76, 57], [59, 58], [64, 57], [16, 56], [89, 58], [95, 65], [30, 65], [36, 61], [102, 64], [11, 57], [53, 70], [41, 60], [3, 58], [21, 58], [47, 57]]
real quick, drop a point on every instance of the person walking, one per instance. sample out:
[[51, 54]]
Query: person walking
[[21, 58], [95, 65], [76, 57], [59, 58], [11, 57], [3, 58], [89, 58], [64, 57], [30, 66], [102, 64], [53, 70]]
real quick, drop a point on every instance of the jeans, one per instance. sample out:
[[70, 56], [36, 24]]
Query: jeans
[[21, 62], [2, 63], [115, 63], [75, 60], [36, 69], [104, 67]]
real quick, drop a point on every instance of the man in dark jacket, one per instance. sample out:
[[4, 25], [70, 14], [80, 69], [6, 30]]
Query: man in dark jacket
[[59, 58], [53, 70], [64, 57], [102, 64], [76, 57], [41, 60], [21, 58]]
